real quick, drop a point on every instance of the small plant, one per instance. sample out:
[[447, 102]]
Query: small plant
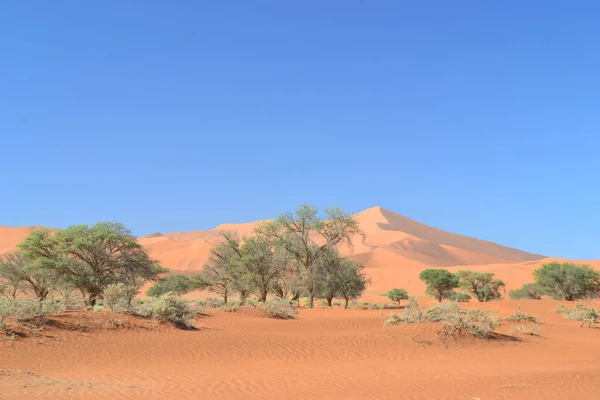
[[519, 316], [523, 330], [337, 304], [231, 306], [581, 313], [280, 309]]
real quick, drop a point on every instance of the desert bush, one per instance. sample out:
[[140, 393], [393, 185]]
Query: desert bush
[[117, 297], [280, 309], [519, 316], [455, 321], [174, 283], [581, 313], [230, 306], [171, 308], [524, 330], [456, 296], [23, 310], [529, 291]]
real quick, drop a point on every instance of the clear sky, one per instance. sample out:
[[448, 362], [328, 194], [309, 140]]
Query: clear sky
[[478, 117]]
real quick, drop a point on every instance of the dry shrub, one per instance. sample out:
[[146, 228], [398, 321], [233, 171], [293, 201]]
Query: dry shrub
[[117, 297], [455, 320], [170, 308], [581, 313], [280, 309], [519, 316], [523, 330]]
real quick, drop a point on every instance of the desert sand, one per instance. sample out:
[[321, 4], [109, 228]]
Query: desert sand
[[325, 353]]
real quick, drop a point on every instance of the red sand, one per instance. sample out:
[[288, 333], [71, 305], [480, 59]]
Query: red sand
[[325, 354]]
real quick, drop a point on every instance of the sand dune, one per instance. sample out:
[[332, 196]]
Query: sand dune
[[394, 250], [325, 354]]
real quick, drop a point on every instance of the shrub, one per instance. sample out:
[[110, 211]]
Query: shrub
[[397, 295], [568, 281], [280, 309], [529, 291], [117, 297], [519, 316], [24, 310], [230, 306], [481, 285], [581, 313], [176, 284], [171, 308], [455, 321], [523, 330], [457, 297]]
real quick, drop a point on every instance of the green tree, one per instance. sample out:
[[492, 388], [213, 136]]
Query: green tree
[[89, 258], [481, 285], [439, 282], [397, 295], [306, 235], [529, 291], [21, 273], [567, 281], [176, 284], [339, 277], [352, 281]]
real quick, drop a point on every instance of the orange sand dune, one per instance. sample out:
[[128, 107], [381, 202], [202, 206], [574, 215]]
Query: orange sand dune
[[325, 354], [10, 237]]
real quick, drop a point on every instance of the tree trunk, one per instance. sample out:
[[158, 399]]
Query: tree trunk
[[263, 296], [346, 303], [329, 299], [243, 297]]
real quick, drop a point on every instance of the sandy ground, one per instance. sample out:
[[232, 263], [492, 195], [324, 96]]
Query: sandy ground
[[325, 354]]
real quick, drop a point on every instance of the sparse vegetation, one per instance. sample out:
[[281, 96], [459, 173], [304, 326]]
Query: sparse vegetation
[[170, 308], [396, 295], [568, 281], [280, 309], [176, 284], [520, 316], [526, 330], [439, 282], [481, 285], [455, 320], [585, 314], [529, 291]]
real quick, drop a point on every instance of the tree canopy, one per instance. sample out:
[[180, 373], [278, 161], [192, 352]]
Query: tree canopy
[[482, 285], [568, 281], [89, 258], [439, 282]]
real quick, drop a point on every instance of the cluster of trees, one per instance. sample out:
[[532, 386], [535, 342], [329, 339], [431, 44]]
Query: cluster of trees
[[441, 284], [83, 258], [566, 281], [291, 257], [561, 281]]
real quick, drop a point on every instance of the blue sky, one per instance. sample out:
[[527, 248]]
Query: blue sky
[[481, 118]]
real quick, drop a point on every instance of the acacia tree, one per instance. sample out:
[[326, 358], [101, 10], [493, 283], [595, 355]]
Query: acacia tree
[[481, 285], [567, 281], [306, 235], [352, 281], [22, 273], [396, 295], [439, 282], [89, 258]]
